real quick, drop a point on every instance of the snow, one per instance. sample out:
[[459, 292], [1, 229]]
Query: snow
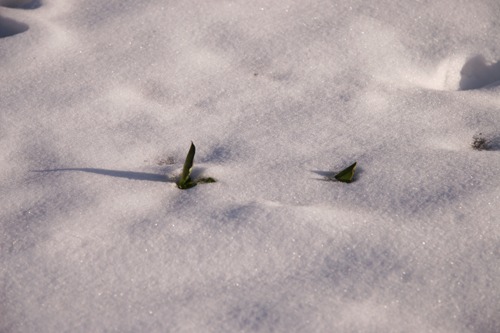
[[99, 101]]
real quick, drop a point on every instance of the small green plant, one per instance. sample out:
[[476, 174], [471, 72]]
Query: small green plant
[[185, 180], [346, 175]]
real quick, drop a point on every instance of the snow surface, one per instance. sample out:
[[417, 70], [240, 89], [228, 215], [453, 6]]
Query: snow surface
[[99, 101]]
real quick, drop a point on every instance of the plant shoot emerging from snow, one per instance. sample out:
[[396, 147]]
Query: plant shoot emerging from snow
[[346, 175], [185, 180]]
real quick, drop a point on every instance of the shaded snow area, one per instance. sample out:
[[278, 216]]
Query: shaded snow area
[[99, 103]]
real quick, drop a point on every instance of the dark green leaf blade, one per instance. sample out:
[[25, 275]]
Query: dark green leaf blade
[[185, 178], [347, 174]]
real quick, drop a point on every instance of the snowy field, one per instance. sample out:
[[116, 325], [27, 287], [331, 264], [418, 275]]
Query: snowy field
[[100, 100]]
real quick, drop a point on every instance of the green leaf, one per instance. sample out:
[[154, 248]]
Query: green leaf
[[347, 174], [185, 180]]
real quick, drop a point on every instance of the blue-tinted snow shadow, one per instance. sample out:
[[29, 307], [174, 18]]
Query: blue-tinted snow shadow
[[132, 175], [21, 4], [9, 27], [493, 144], [478, 73]]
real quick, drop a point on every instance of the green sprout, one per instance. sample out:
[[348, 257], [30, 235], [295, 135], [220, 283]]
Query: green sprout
[[346, 175], [185, 181]]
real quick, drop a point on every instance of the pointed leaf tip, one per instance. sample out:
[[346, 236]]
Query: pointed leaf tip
[[185, 179], [347, 174]]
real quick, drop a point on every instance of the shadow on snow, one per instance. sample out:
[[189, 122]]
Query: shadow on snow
[[115, 173]]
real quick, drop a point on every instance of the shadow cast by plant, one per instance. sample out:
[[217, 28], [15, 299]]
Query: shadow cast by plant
[[132, 175]]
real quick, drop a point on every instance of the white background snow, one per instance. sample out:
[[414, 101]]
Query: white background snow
[[99, 101]]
